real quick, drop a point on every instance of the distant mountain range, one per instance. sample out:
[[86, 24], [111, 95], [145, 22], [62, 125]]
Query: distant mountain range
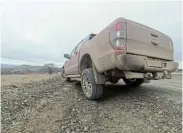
[[25, 69], [12, 66], [7, 65]]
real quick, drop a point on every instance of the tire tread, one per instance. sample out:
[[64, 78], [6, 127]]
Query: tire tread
[[97, 89]]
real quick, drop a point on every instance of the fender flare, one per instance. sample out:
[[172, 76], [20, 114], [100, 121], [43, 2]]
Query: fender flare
[[99, 78]]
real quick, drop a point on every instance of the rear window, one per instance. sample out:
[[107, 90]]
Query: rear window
[[92, 36]]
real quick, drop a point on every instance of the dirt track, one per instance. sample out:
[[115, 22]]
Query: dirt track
[[55, 106]]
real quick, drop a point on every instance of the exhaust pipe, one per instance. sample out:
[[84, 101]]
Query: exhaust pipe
[[148, 76], [167, 75], [156, 76]]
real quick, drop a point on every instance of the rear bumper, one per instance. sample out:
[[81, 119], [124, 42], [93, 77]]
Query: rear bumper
[[144, 64]]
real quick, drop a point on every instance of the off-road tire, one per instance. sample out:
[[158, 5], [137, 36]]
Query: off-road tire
[[135, 83], [63, 78], [96, 89]]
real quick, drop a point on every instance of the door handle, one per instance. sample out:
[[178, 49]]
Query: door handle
[[154, 42]]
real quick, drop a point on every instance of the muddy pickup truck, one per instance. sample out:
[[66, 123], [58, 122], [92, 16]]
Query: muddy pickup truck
[[123, 50]]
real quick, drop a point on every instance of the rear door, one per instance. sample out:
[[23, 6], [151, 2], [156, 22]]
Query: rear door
[[70, 66], [83, 42], [146, 41]]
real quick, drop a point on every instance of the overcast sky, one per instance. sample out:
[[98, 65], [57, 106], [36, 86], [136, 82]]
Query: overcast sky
[[38, 33]]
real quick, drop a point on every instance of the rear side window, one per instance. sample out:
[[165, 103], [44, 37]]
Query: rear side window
[[79, 46], [73, 52], [92, 36], [84, 41]]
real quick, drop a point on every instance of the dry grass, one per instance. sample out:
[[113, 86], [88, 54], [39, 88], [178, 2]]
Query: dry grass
[[24, 78]]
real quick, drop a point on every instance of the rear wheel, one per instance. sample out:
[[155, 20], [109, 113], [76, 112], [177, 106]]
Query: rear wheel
[[133, 82], [63, 75], [91, 90]]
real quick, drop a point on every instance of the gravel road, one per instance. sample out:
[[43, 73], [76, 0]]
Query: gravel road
[[60, 107]]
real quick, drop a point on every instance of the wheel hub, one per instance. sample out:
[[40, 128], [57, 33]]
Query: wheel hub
[[87, 86]]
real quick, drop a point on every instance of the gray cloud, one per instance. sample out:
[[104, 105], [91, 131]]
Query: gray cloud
[[43, 32]]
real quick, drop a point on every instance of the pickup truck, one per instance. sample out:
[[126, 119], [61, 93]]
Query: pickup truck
[[123, 50]]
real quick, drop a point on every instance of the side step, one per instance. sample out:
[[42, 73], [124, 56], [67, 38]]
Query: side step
[[73, 76]]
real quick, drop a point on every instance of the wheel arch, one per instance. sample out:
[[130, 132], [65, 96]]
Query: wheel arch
[[85, 62]]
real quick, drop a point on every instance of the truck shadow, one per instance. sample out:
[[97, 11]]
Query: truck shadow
[[120, 93], [121, 90], [115, 90]]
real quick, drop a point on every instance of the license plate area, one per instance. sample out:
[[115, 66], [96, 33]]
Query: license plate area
[[154, 63]]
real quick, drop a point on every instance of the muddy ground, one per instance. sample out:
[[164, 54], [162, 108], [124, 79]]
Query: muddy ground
[[50, 105]]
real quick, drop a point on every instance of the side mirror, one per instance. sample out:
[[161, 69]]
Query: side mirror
[[67, 56]]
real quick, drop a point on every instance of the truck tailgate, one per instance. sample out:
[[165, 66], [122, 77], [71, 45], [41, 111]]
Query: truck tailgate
[[143, 40]]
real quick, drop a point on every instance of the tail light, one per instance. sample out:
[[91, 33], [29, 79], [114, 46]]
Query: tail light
[[118, 36]]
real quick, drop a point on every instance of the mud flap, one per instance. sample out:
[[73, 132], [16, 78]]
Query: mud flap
[[99, 78]]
